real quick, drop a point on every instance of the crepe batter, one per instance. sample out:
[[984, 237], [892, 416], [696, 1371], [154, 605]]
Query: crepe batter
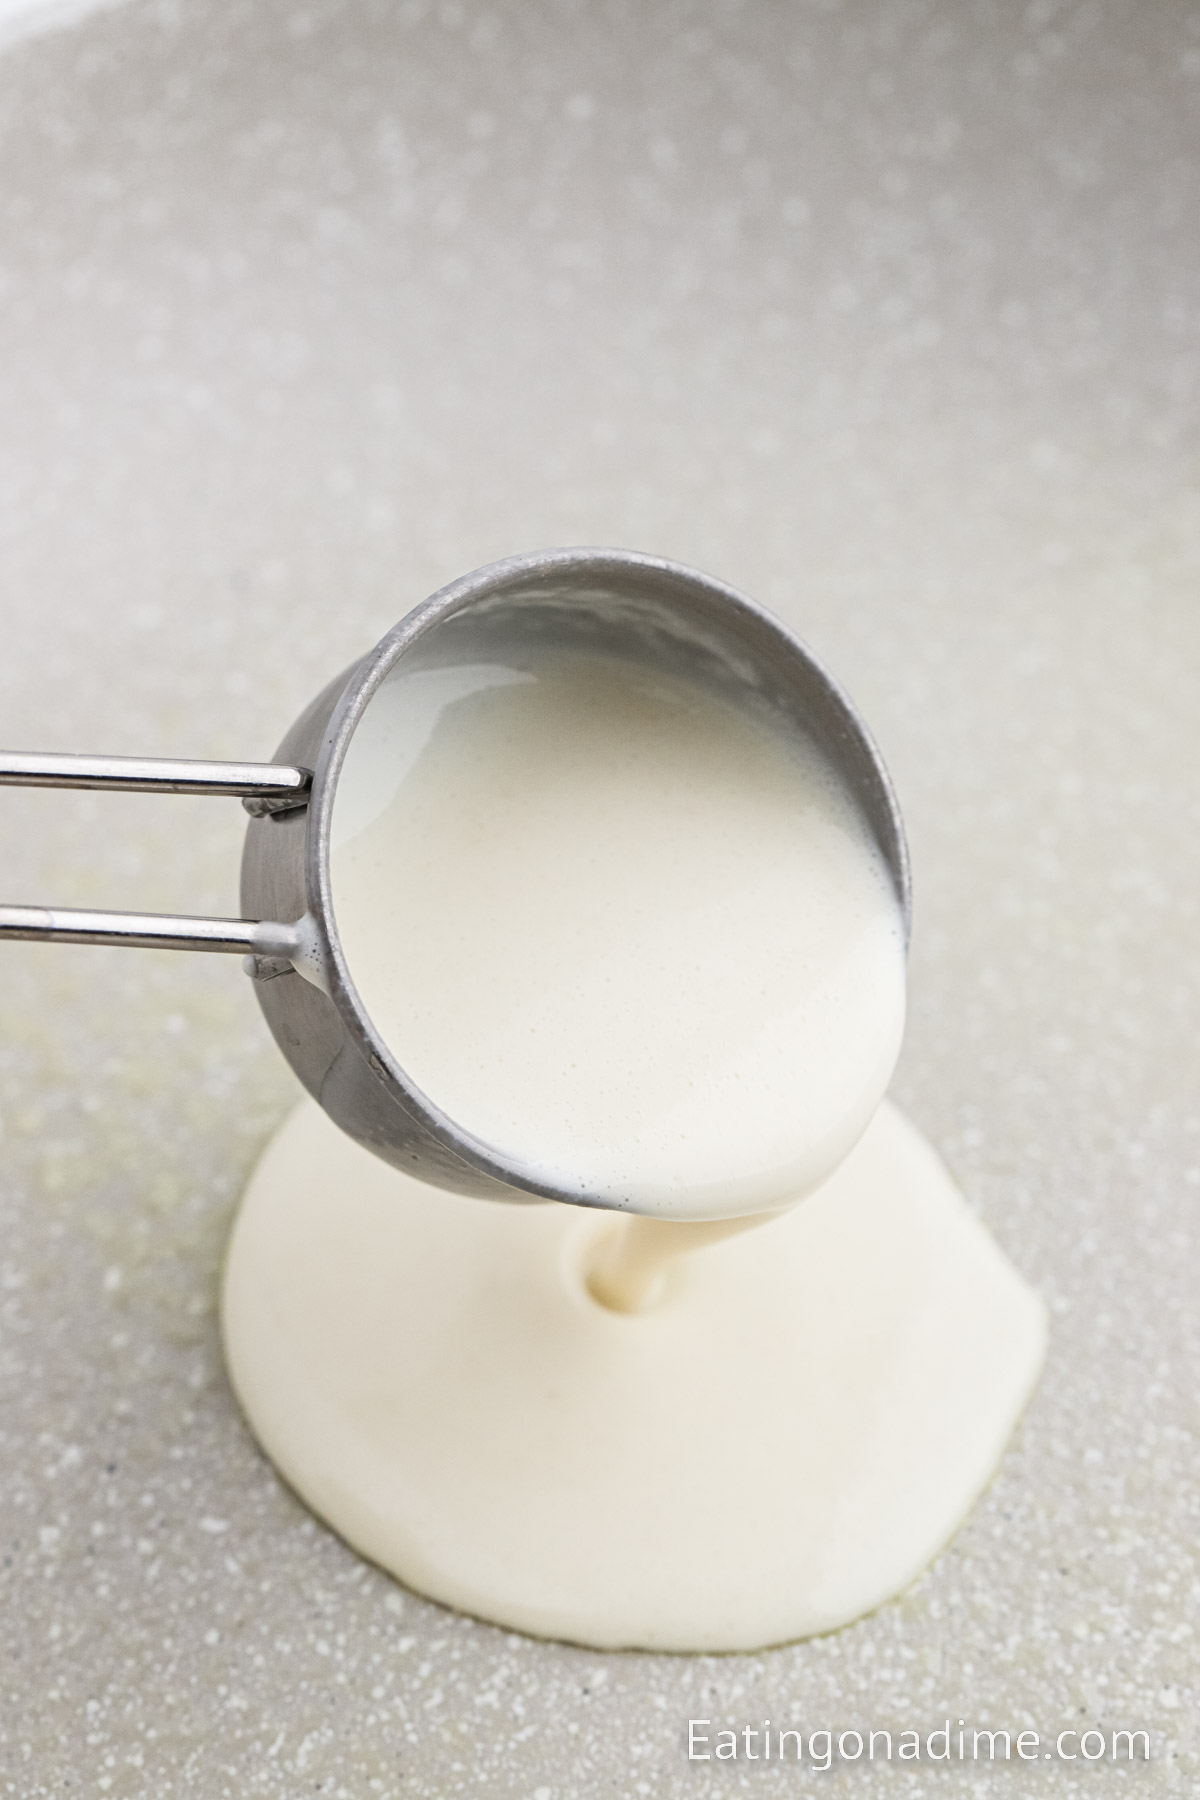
[[622, 930], [619, 929]]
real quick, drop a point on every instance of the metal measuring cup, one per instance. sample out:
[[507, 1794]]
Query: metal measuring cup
[[611, 600]]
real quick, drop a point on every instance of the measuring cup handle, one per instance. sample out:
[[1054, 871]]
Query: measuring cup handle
[[263, 787], [149, 931]]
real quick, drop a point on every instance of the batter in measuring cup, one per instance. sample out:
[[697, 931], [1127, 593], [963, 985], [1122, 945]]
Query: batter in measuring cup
[[620, 928]]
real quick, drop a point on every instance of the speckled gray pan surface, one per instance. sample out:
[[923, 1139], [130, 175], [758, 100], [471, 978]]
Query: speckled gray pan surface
[[887, 313]]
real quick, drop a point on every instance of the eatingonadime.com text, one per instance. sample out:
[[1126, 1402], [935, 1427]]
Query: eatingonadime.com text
[[951, 1741]]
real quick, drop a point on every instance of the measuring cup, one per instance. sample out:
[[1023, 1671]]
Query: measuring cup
[[611, 600]]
